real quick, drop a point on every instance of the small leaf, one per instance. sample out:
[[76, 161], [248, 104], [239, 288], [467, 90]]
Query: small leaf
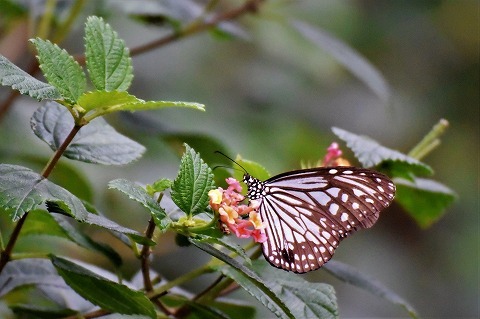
[[102, 292], [97, 142], [194, 181], [352, 276], [305, 299], [107, 57], [102, 102], [248, 279], [347, 56], [22, 190], [424, 199], [11, 75], [60, 69], [371, 153], [140, 195], [159, 186]]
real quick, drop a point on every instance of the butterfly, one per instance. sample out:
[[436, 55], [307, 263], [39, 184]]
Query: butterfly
[[308, 212]]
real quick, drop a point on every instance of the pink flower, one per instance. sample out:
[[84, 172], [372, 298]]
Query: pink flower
[[333, 157], [259, 236], [228, 205]]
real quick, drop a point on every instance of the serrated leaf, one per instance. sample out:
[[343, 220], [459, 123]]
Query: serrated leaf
[[22, 190], [424, 199], [371, 153], [97, 142], [102, 292], [347, 56], [248, 279], [60, 69], [102, 102], [305, 299], [352, 276], [194, 181], [141, 196], [108, 60], [11, 75]]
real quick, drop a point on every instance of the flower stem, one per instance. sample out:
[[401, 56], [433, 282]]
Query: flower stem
[[430, 141], [180, 280]]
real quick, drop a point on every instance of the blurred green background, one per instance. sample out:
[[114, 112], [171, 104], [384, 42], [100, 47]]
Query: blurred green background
[[272, 97]]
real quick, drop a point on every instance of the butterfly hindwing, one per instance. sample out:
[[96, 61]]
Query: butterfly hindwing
[[308, 212]]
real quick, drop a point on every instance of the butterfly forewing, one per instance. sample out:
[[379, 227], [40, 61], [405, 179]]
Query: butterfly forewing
[[308, 212]]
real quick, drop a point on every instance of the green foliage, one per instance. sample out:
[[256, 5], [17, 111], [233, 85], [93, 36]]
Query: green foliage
[[102, 292], [61, 70], [103, 102], [109, 67], [22, 190], [352, 276], [97, 143], [108, 60], [370, 153], [42, 223], [194, 180], [141, 196], [12, 75], [347, 56], [424, 199]]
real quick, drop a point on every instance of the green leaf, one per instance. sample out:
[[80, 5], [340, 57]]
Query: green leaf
[[254, 169], [22, 190], [140, 195], [97, 142], [194, 181], [102, 292], [305, 299], [226, 242], [60, 69], [100, 221], [424, 199], [102, 102], [40, 222], [352, 276], [371, 153], [11, 75], [28, 271], [248, 279], [159, 186], [108, 60], [348, 57]]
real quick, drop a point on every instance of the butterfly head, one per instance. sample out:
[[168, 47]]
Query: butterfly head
[[255, 187]]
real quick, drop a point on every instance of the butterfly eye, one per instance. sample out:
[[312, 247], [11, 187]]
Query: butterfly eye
[[308, 212]]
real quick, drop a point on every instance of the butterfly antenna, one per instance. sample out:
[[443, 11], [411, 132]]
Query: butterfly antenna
[[231, 159]]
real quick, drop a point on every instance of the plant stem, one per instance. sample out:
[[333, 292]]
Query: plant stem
[[430, 141], [59, 152], [63, 29], [46, 21], [180, 280], [6, 254]]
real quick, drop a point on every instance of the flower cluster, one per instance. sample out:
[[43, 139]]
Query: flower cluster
[[228, 204], [333, 157]]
